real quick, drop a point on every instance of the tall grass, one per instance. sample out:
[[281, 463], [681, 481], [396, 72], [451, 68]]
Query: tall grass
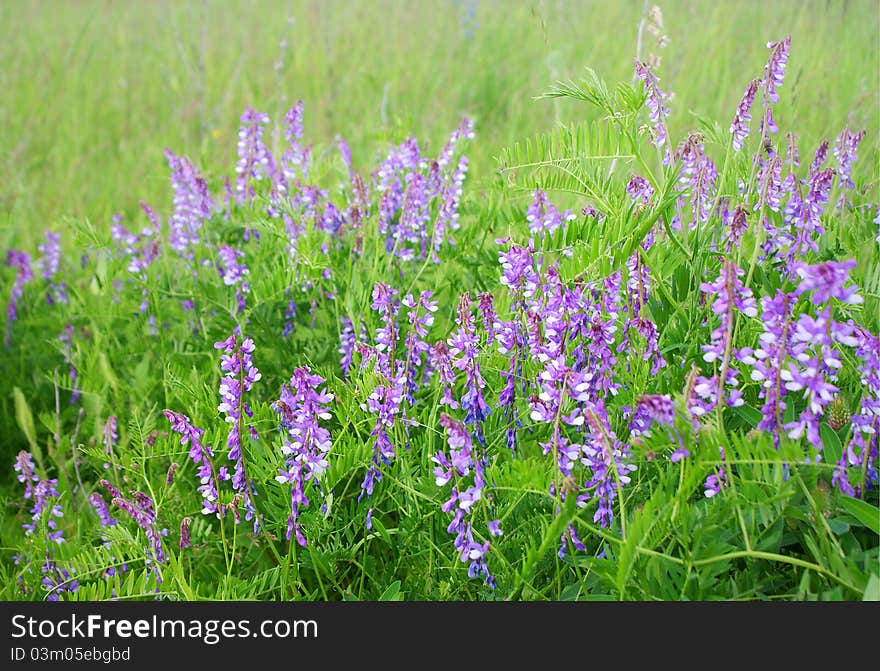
[[92, 91]]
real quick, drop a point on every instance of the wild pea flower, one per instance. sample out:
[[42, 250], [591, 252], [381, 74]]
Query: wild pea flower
[[658, 111], [767, 360], [66, 338], [254, 160], [387, 335], [441, 364], [48, 265], [637, 285], [659, 409], [192, 204], [465, 131], [774, 76], [202, 456], [518, 272], [185, 539], [45, 497], [416, 346], [240, 375], [542, 215], [306, 444], [640, 190], [56, 579], [817, 360], [607, 458], [102, 510], [736, 226], [384, 402], [465, 356], [456, 466], [774, 71], [487, 310], [410, 232], [697, 178], [141, 249], [347, 340], [739, 127], [233, 272], [729, 294], [141, 509], [109, 436], [289, 316], [21, 261], [861, 452], [511, 342], [716, 481], [296, 159], [826, 281], [805, 214], [845, 149], [447, 215]]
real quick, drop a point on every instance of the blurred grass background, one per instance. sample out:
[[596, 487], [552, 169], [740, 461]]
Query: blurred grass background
[[92, 91]]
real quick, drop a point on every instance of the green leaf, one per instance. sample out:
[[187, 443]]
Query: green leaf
[[749, 414], [872, 589], [832, 448], [392, 592], [865, 513], [25, 420]]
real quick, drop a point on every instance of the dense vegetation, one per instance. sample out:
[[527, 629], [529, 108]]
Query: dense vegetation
[[636, 359]]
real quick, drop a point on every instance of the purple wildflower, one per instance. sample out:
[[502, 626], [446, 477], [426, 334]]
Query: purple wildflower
[[306, 444], [640, 190], [459, 464], [729, 293], [774, 71], [542, 215], [102, 509], [347, 340], [254, 160], [716, 481], [192, 204], [657, 109], [141, 509], [826, 281], [185, 539], [21, 261], [240, 376], [202, 455], [739, 127], [464, 355]]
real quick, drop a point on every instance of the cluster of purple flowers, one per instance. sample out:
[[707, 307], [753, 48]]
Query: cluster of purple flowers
[[202, 456], [45, 512], [232, 272], [192, 204], [457, 466], [656, 102], [542, 215], [240, 374], [21, 261], [141, 509], [300, 408], [49, 264]]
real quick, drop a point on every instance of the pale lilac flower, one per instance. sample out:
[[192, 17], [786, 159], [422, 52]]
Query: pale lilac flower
[[301, 407], [739, 128], [21, 261], [202, 455], [240, 376], [192, 204], [655, 101]]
